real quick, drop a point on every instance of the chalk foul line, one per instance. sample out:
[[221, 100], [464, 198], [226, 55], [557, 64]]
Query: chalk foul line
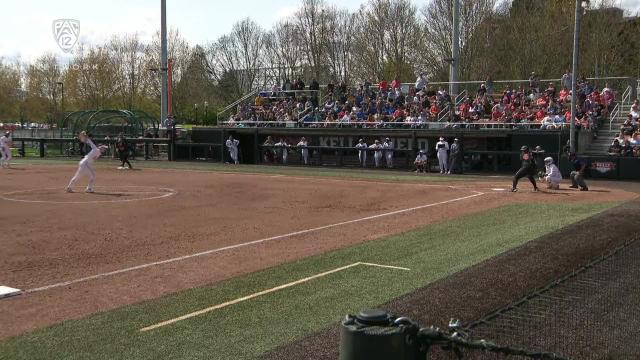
[[265, 292], [245, 244]]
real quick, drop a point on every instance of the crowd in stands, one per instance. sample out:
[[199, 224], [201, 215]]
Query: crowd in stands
[[392, 105], [627, 143]]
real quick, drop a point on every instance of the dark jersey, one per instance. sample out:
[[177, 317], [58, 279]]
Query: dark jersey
[[578, 164], [527, 160], [122, 145]]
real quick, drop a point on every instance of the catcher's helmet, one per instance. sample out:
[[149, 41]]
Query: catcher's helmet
[[524, 148]]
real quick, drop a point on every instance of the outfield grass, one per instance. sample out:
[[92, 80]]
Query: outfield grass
[[251, 328]]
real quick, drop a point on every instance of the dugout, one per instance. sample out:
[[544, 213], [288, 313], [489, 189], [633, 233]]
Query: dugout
[[494, 150]]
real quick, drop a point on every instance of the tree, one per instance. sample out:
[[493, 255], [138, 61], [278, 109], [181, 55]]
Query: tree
[[41, 81], [10, 91], [238, 54], [437, 27], [386, 40]]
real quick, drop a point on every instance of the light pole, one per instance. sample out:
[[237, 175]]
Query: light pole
[[454, 65], [206, 112], [163, 62], [574, 75], [62, 100]]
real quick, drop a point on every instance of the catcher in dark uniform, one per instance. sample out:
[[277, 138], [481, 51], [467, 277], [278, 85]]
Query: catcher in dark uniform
[[123, 151], [527, 170]]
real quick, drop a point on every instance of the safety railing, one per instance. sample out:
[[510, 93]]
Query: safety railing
[[268, 94], [615, 113], [237, 102], [391, 124]]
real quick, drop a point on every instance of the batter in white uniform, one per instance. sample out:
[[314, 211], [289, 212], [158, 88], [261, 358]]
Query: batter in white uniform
[[552, 174], [284, 149], [85, 165], [442, 147], [232, 146], [5, 149], [302, 145], [377, 152], [388, 152], [362, 152]]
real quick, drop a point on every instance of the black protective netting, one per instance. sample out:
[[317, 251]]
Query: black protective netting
[[593, 313]]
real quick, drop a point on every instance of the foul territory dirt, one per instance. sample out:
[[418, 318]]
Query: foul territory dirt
[[63, 249]]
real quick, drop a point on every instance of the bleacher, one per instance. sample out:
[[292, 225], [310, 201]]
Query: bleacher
[[513, 105]]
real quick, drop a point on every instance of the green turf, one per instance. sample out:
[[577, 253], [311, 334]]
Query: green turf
[[251, 328]]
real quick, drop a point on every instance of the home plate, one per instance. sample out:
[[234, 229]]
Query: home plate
[[6, 292], [499, 189]]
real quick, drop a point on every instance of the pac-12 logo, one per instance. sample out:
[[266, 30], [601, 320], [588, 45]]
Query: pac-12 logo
[[66, 33]]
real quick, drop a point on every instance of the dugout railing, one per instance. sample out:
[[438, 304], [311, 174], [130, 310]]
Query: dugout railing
[[403, 159]]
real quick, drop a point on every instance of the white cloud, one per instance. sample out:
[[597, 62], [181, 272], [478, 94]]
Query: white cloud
[[285, 12]]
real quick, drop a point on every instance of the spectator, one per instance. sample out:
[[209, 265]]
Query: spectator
[[635, 113], [488, 84], [383, 85], [566, 79], [482, 91], [315, 85], [534, 83], [421, 82], [615, 149], [395, 84], [627, 149]]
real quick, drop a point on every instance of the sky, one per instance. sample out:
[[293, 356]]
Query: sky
[[26, 28]]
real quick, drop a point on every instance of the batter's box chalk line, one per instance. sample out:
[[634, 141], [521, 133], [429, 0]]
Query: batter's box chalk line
[[265, 292]]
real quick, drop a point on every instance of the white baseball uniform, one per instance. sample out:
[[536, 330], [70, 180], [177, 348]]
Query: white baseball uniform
[[362, 153], [377, 153], [283, 146], [85, 167], [232, 145], [442, 147], [388, 152], [553, 176], [304, 151], [5, 150]]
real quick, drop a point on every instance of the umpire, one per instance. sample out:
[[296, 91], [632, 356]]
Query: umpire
[[528, 169], [123, 151]]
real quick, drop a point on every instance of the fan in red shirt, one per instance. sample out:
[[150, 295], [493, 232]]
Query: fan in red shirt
[[464, 110], [398, 115], [384, 86], [434, 110], [564, 93], [395, 84], [542, 101]]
